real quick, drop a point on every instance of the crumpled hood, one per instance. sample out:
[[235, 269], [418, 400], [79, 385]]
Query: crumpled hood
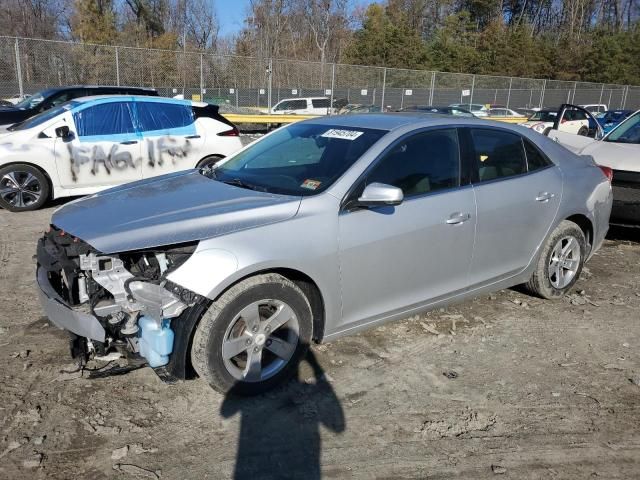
[[175, 208]]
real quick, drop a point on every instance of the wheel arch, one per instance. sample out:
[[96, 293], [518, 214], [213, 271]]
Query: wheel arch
[[219, 156], [40, 169], [180, 367], [586, 225]]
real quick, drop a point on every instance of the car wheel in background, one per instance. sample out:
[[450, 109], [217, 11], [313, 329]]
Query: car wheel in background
[[209, 161], [560, 262], [253, 337], [22, 188], [584, 131]]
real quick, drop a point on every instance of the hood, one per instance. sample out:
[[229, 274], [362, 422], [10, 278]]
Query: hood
[[618, 156], [170, 209]]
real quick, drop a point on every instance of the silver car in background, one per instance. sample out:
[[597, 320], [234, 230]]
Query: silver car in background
[[318, 230]]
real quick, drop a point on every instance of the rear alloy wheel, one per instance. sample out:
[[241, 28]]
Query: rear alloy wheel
[[22, 188], [560, 262], [584, 131], [253, 336], [209, 161]]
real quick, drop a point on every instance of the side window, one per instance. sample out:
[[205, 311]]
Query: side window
[[426, 162], [163, 116], [498, 154], [298, 105], [104, 119], [60, 99], [283, 106], [535, 159], [320, 103]]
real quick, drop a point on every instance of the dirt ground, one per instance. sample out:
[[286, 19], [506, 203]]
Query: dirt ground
[[505, 385]]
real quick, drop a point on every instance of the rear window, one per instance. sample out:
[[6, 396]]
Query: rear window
[[163, 116]]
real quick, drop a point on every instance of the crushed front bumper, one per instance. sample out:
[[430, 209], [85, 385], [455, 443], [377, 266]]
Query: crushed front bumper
[[62, 315]]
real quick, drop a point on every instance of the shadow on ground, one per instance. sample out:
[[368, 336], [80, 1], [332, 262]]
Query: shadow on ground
[[280, 431]]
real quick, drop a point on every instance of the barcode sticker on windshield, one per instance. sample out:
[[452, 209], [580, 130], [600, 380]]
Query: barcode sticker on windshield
[[343, 134]]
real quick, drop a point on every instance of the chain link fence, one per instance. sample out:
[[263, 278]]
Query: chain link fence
[[249, 84]]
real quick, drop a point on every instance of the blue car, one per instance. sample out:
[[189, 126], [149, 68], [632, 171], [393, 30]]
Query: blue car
[[612, 118]]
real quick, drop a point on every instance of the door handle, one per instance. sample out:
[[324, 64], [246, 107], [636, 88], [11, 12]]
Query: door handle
[[456, 218], [129, 142], [192, 136], [544, 196]]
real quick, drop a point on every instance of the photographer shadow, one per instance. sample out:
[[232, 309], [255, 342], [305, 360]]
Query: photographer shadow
[[280, 431]]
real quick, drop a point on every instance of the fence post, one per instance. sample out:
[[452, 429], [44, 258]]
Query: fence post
[[201, 78], [573, 97], [333, 86], [509, 92], [19, 68], [473, 84], [384, 85], [117, 68], [433, 82], [601, 92], [270, 73], [544, 86], [624, 97]]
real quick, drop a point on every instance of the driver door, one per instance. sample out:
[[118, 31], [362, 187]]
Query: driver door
[[393, 259]]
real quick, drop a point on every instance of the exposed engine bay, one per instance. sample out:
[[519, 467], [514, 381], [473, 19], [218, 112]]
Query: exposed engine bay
[[127, 294]]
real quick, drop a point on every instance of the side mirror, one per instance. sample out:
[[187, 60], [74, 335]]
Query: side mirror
[[376, 194], [63, 132]]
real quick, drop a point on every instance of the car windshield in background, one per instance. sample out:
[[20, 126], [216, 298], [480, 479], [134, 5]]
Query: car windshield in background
[[302, 159], [544, 116], [33, 100], [627, 132], [42, 117]]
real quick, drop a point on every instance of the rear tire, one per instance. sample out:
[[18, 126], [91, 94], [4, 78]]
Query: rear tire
[[253, 337], [22, 188], [209, 161], [584, 131], [560, 262]]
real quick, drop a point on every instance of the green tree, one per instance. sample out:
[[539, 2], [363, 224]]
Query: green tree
[[94, 21]]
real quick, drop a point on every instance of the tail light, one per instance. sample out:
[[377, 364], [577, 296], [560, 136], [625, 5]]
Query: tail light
[[608, 172], [234, 132]]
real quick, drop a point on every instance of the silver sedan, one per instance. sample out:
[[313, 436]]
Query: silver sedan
[[317, 230]]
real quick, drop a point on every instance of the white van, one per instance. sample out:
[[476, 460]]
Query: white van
[[303, 106]]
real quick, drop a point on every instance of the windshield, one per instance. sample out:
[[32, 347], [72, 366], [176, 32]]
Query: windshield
[[627, 132], [302, 159], [42, 117], [33, 100], [611, 117], [544, 116]]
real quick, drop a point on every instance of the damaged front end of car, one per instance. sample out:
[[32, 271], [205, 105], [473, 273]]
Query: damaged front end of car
[[113, 304]]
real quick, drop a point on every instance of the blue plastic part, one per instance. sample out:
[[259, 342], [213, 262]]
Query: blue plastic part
[[155, 341]]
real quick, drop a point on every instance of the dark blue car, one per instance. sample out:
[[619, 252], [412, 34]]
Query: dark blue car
[[612, 118]]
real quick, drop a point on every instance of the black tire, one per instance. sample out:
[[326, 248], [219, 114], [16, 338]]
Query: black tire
[[584, 131], [223, 314], [542, 281], [31, 191], [209, 161]]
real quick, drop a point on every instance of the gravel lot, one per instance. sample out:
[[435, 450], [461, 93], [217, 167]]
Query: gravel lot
[[506, 385]]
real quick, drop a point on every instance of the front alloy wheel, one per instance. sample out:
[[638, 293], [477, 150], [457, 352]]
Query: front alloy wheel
[[22, 188], [253, 336]]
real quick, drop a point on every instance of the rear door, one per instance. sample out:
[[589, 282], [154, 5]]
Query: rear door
[[171, 140], [104, 149], [518, 191]]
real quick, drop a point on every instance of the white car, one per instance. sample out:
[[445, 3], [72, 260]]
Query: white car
[[618, 150], [477, 109], [303, 106], [16, 98], [93, 143], [596, 108], [504, 112], [573, 121]]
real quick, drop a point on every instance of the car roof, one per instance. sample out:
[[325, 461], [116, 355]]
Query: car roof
[[392, 121], [97, 87], [303, 98], [105, 98]]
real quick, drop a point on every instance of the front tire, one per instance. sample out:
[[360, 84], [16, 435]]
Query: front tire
[[22, 188], [209, 161], [560, 262], [253, 337]]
